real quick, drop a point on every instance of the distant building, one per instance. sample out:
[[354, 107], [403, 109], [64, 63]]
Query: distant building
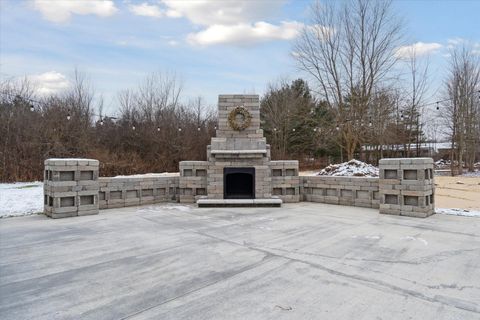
[[436, 150]]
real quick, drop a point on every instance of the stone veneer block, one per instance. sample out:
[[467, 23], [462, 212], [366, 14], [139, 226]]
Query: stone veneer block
[[409, 192], [71, 187]]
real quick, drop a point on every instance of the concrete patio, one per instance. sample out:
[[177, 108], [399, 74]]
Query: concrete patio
[[300, 261]]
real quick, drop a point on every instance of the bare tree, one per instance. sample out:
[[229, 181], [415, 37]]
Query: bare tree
[[166, 130], [16, 122], [152, 132], [33, 128], [382, 112], [276, 109], [462, 107], [414, 101], [349, 50]]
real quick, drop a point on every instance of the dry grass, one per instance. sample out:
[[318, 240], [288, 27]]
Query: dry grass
[[457, 192]]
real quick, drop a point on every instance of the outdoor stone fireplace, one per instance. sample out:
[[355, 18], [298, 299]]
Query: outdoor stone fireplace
[[238, 170]]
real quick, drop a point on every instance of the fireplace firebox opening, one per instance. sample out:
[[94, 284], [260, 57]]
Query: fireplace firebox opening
[[239, 183]]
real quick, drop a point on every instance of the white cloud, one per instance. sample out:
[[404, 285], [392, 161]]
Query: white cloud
[[321, 32], [451, 43], [418, 49], [173, 14], [146, 10], [245, 34], [172, 43], [226, 12], [60, 11], [49, 82], [123, 43], [295, 54], [236, 22], [474, 47]]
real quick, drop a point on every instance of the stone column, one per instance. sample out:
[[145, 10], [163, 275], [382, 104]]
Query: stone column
[[406, 187], [70, 187], [192, 180]]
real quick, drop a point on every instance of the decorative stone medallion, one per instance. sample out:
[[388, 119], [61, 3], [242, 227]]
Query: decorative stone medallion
[[239, 118]]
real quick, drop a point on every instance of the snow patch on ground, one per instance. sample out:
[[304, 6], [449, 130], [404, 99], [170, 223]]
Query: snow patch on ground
[[443, 166], [21, 199], [410, 238], [176, 207], [149, 175], [163, 206], [351, 168], [264, 228], [425, 242], [471, 174], [374, 237], [458, 212]]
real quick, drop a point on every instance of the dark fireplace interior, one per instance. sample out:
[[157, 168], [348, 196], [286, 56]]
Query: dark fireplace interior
[[239, 183]]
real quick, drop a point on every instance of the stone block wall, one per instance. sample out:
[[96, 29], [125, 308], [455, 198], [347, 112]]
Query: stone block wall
[[70, 187], [285, 180], [407, 187], [126, 191], [348, 191], [193, 181]]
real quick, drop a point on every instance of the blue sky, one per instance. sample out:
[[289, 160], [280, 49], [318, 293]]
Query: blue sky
[[213, 46]]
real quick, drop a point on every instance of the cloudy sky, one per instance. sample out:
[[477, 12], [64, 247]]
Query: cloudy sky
[[213, 46]]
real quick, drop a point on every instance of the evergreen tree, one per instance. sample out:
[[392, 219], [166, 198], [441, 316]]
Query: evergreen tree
[[293, 119]]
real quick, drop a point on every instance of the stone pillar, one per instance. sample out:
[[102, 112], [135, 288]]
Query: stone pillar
[[285, 180], [406, 187], [70, 187], [192, 181]]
